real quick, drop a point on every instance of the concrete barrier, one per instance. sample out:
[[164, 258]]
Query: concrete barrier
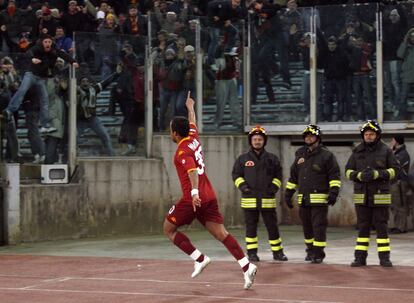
[[131, 196]]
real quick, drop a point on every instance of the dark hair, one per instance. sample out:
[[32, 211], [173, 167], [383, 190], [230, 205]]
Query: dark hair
[[332, 39], [399, 138], [181, 125]]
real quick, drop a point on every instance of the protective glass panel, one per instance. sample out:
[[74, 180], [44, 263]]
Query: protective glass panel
[[110, 93], [222, 47], [346, 41], [398, 56], [280, 78]]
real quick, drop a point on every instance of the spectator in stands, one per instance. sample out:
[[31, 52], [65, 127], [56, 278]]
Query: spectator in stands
[[167, 21], [87, 95], [56, 114], [13, 18], [189, 34], [267, 29], [293, 28], [31, 107], [226, 88], [394, 28], [222, 14], [107, 50], [161, 42], [77, 19], [336, 70], [179, 47], [135, 24], [20, 44], [171, 73], [189, 83], [47, 24], [129, 93], [8, 80], [62, 42], [360, 53], [44, 57], [406, 53]]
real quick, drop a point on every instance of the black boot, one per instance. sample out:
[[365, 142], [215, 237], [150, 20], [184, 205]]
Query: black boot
[[253, 257], [358, 262], [279, 256], [309, 252], [318, 255], [386, 263]]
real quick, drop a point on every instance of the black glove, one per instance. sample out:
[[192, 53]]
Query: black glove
[[272, 189], [288, 198], [368, 175], [245, 189], [333, 195]]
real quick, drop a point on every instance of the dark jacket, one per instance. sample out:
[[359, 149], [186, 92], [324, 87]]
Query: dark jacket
[[335, 64], [262, 174], [224, 11], [379, 157], [314, 173], [45, 68], [141, 22], [403, 159]]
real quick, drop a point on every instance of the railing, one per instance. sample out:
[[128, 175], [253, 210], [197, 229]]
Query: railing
[[331, 65]]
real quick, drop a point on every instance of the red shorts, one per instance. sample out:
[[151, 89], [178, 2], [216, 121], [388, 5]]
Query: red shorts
[[183, 213]]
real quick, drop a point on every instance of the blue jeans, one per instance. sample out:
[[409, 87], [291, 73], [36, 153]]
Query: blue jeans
[[29, 80], [96, 125], [392, 80], [231, 32], [173, 97], [364, 98]]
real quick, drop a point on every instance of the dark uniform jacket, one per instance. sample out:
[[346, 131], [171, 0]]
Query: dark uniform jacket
[[379, 157], [314, 173], [403, 159], [262, 174]]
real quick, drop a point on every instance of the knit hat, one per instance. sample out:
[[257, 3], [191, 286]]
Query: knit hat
[[100, 15], [189, 48], [47, 12], [170, 51]]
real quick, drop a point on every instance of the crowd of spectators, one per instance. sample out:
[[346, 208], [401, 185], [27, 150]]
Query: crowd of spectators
[[111, 35]]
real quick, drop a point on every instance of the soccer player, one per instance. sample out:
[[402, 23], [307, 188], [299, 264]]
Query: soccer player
[[199, 199]]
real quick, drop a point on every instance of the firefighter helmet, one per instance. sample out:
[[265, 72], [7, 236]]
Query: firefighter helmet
[[371, 125], [313, 130], [257, 130]]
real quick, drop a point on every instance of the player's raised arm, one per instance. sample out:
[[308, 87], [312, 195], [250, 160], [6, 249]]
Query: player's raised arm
[[189, 103]]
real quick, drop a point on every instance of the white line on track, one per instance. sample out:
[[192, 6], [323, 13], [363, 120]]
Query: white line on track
[[256, 284], [165, 295], [47, 281]]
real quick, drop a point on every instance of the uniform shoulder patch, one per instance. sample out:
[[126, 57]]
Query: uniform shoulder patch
[[180, 152], [301, 160], [249, 163]]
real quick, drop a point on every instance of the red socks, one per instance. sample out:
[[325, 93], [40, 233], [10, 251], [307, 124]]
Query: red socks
[[184, 243], [234, 248]]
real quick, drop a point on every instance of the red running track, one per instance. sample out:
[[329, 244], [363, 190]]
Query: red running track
[[86, 280]]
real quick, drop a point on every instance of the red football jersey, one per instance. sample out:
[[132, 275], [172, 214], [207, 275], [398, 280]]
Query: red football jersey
[[188, 157]]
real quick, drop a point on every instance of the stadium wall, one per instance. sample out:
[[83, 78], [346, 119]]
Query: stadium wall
[[131, 196]]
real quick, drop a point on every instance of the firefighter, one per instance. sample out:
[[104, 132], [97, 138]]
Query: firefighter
[[257, 175], [315, 174], [372, 166]]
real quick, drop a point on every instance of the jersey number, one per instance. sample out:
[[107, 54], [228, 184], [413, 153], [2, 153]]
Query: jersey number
[[200, 162]]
